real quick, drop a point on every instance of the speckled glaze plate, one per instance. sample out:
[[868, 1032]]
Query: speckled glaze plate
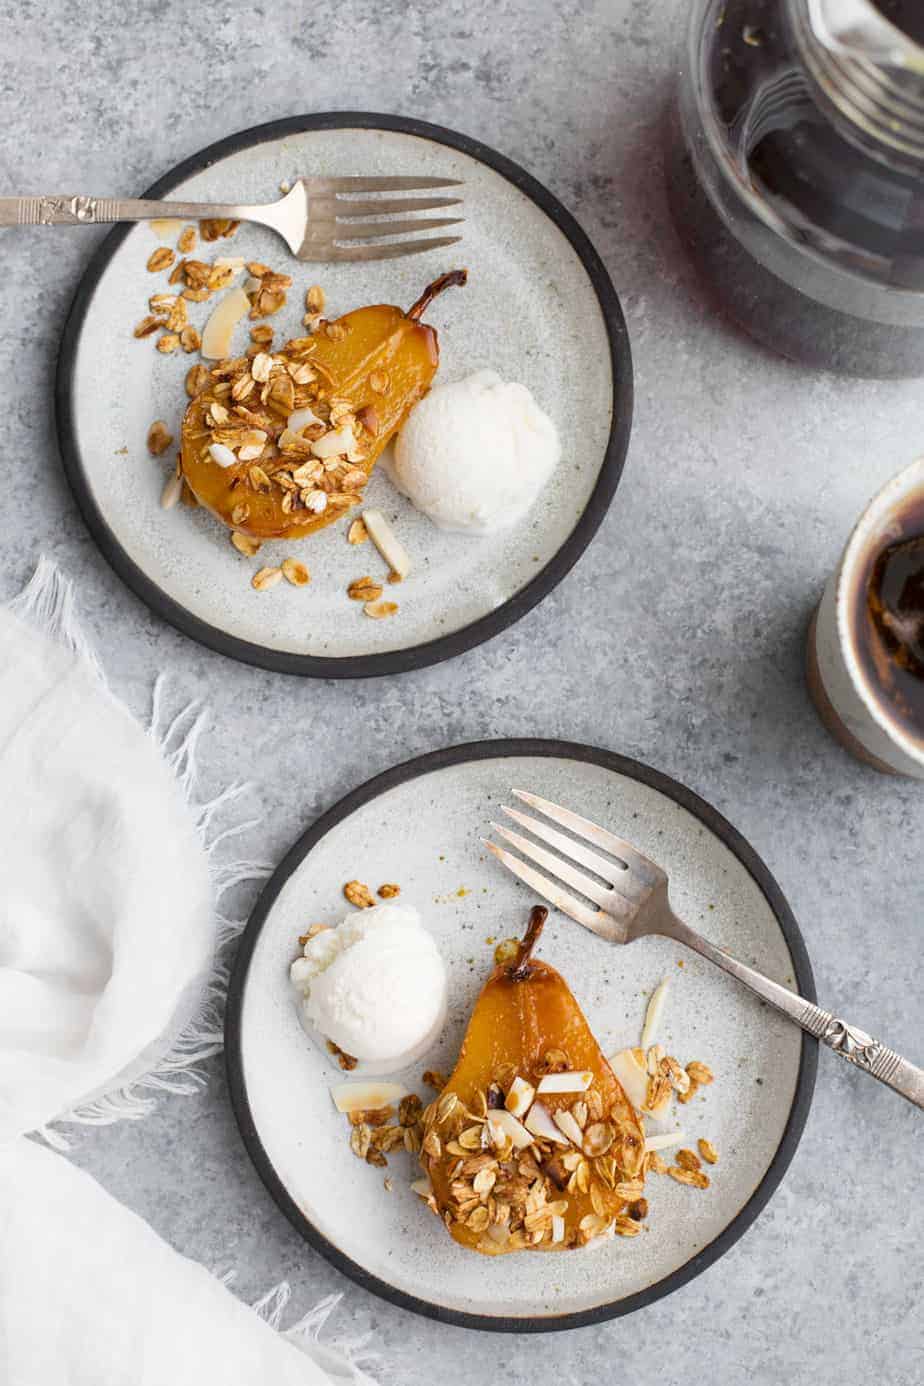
[[539, 307], [420, 825]]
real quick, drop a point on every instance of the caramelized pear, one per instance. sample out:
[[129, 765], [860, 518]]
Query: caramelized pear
[[532, 1144], [282, 444]]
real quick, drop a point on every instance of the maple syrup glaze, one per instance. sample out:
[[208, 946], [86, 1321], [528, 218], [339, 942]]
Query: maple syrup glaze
[[888, 619]]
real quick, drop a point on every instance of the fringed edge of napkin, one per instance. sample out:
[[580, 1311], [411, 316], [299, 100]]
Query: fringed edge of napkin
[[342, 1360], [47, 603]]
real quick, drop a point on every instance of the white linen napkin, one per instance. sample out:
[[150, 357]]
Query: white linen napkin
[[110, 981], [91, 1296]]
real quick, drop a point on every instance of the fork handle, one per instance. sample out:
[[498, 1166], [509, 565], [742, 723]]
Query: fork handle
[[68, 210], [854, 1045]]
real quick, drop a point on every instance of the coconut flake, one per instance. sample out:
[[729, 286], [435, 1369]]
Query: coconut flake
[[520, 1096], [558, 1228], [165, 228], [567, 1124], [222, 455], [664, 1139], [632, 1075], [366, 1097], [504, 1126], [225, 316], [387, 542], [565, 1082], [653, 1015], [540, 1122], [301, 418], [337, 443]]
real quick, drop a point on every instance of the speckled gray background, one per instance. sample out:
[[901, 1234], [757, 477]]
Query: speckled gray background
[[677, 639]]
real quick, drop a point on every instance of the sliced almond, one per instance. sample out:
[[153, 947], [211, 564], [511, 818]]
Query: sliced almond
[[366, 1097], [569, 1081], [653, 1014], [171, 492], [357, 533], [387, 542], [219, 330], [520, 1097]]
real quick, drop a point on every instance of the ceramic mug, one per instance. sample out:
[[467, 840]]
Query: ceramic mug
[[847, 697]]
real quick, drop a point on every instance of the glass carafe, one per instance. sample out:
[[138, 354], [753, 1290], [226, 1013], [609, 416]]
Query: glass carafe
[[796, 174]]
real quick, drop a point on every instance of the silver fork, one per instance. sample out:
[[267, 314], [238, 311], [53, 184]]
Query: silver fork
[[316, 218], [631, 893]]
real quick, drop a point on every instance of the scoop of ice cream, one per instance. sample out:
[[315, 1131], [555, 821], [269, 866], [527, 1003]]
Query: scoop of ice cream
[[375, 985], [475, 454]]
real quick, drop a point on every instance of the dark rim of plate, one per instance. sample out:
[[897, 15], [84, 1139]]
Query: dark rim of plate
[[431, 651], [490, 750]]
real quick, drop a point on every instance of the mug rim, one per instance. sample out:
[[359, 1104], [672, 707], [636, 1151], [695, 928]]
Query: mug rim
[[856, 550]]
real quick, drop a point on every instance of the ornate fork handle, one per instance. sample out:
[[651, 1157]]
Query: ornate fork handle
[[68, 210], [859, 1048], [854, 1045]]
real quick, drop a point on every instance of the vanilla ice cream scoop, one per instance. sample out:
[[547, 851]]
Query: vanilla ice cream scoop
[[376, 985], [475, 454]]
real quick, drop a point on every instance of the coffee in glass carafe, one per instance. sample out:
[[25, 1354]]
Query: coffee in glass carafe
[[796, 174]]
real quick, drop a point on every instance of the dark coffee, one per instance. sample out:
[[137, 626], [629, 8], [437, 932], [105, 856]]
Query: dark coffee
[[890, 619]]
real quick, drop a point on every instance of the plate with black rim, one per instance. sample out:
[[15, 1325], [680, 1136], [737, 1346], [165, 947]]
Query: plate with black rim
[[764, 1067], [538, 308]]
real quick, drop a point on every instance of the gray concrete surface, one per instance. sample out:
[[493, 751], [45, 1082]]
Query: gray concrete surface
[[678, 638]]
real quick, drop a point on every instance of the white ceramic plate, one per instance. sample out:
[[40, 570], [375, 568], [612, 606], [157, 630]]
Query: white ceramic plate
[[420, 825], [539, 307]]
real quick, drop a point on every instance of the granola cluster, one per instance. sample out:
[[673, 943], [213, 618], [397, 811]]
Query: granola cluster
[[519, 1196], [243, 422], [375, 1134]]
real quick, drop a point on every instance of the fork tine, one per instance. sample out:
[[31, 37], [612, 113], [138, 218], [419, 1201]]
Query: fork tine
[[366, 230], [625, 882], [391, 251], [600, 895], [595, 920], [340, 207], [609, 870], [592, 833], [321, 186]]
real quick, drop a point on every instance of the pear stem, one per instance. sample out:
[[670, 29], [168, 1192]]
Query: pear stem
[[455, 278], [537, 917]]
